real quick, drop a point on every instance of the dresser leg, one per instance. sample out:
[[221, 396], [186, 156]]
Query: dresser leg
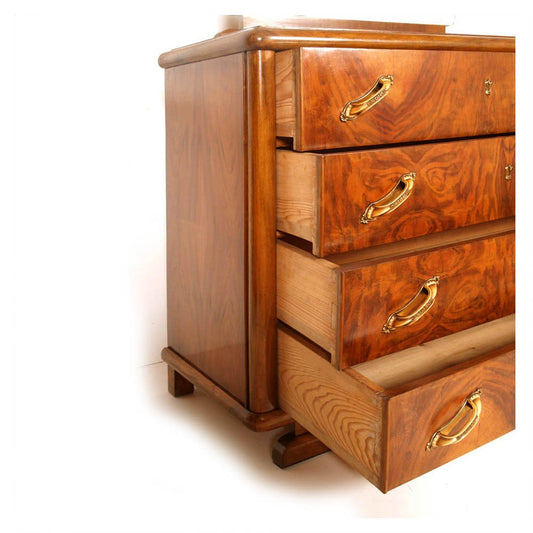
[[295, 446], [177, 384]]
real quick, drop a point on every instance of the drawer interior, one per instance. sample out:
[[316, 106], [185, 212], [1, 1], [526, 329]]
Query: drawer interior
[[420, 362], [380, 416]]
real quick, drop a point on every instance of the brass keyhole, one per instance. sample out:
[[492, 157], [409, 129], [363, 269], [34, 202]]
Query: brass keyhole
[[508, 172]]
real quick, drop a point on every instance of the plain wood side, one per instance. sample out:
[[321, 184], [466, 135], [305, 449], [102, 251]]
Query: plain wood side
[[206, 223], [339, 411], [298, 178], [285, 94], [307, 295]]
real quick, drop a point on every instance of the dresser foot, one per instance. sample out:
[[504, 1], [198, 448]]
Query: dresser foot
[[295, 446], [177, 384]]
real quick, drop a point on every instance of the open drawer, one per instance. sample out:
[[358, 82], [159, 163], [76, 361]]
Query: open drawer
[[404, 414], [350, 200], [367, 304], [328, 98]]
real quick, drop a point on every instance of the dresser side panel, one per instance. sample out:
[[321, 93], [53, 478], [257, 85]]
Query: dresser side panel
[[206, 219]]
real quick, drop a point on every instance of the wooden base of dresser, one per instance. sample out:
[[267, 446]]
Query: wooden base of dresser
[[296, 446], [293, 447], [183, 377], [177, 384]]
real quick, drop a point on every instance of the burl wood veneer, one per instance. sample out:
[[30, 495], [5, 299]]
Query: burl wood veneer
[[383, 429], [435, 95], [323, 197], [343, 303], [340, 238]]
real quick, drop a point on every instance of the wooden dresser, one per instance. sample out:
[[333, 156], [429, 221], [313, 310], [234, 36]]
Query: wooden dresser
[[340, 235]]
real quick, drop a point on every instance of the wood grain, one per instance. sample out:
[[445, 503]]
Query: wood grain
[[446, 86], [264, 38], [321, 197], [307, 295], [476, 286], [261, 203], [383, 433], [286, 94], [206, 262], [293, 448], [414, 415], [298, 194], [335, 408], [408, 365], [255, 421]]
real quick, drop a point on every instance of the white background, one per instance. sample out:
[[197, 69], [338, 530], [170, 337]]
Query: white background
[[92, 440]]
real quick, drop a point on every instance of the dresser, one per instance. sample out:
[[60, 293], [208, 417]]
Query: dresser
[[340, 238]]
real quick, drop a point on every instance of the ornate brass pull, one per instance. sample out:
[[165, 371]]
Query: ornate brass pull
[[415, 309], [508, 172], [357, 107], [471, 409], [392, 200], [488, 86]]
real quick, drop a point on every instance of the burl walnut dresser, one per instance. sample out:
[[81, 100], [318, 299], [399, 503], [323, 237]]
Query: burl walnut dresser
[[340, 232]]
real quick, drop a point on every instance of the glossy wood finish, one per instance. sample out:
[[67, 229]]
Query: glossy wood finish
[[225, 102], [206, 225], [446, 86], [255, 421], [381, 432], [265, 38], [419, 412], [321, 197], [262, 231], [325, 300]]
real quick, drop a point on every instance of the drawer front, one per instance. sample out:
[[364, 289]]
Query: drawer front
[[353, 200], [384, 433], [475, 285], [434, 94], [415, 416], [362, 310]]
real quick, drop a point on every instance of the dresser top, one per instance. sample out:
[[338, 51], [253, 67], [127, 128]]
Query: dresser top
[[279, 38]]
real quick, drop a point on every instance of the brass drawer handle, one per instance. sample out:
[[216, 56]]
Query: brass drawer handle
[[444, 436], [416, 308], [357, 107], [392, 200]]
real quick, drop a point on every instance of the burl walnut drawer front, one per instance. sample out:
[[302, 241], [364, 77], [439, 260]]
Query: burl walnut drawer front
[[443, 399], [331, 98], [364, 305], [352, 200]]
